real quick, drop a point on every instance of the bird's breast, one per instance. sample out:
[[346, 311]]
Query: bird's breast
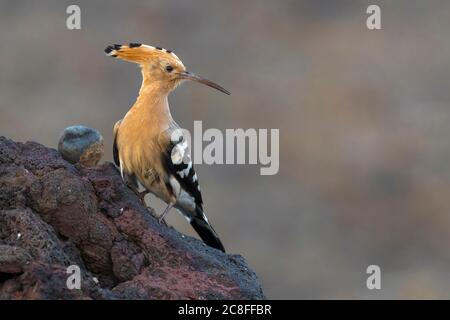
[[143, 158]]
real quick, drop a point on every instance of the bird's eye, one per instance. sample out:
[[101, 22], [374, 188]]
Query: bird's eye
[[169, 68]]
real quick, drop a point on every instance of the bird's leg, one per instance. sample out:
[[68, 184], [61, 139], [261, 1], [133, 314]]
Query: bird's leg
[[161, 218], [140, 195]]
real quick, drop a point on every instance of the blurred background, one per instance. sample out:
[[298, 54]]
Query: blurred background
[[363, 118]]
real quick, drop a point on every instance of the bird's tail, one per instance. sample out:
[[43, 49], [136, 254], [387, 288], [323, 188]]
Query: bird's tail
[[206, 231], [133, 52]]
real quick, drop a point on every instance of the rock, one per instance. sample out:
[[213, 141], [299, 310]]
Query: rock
[[81, 144], [54, 214], [13, 259]]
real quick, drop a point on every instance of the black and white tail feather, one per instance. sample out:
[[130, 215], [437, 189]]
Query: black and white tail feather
[[190, 203]]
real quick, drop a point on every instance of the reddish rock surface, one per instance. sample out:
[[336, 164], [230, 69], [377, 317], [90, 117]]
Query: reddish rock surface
[[54, 214]]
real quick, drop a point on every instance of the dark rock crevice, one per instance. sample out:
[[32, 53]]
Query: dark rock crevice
[[54, 214]]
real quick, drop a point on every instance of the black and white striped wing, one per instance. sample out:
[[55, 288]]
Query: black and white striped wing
[[178, 162]]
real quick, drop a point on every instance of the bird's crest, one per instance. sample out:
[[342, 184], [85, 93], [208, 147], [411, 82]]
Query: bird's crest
[[140, 53]]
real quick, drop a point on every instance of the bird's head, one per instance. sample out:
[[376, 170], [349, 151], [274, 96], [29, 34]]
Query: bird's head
[[161, 68]]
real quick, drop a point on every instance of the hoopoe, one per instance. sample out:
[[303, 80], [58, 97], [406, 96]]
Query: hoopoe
[[149, 147]]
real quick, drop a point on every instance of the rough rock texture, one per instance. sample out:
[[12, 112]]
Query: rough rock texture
[[54, 214]]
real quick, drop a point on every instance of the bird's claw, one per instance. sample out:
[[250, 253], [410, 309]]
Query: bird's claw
[[162, 220], [141, 197]]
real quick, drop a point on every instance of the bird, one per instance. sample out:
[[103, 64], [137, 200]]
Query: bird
[[149, 146]]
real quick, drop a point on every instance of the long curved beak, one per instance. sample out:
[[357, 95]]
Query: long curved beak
[[191, 76]]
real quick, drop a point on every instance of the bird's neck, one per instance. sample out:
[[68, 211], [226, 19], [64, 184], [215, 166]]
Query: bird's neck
[[153, 101]]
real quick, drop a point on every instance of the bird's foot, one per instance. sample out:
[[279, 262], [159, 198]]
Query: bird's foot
[[162, 217], [141, 196], [161, 220]]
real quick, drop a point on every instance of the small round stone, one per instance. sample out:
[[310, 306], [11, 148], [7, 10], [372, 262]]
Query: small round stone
[[81, 144]]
